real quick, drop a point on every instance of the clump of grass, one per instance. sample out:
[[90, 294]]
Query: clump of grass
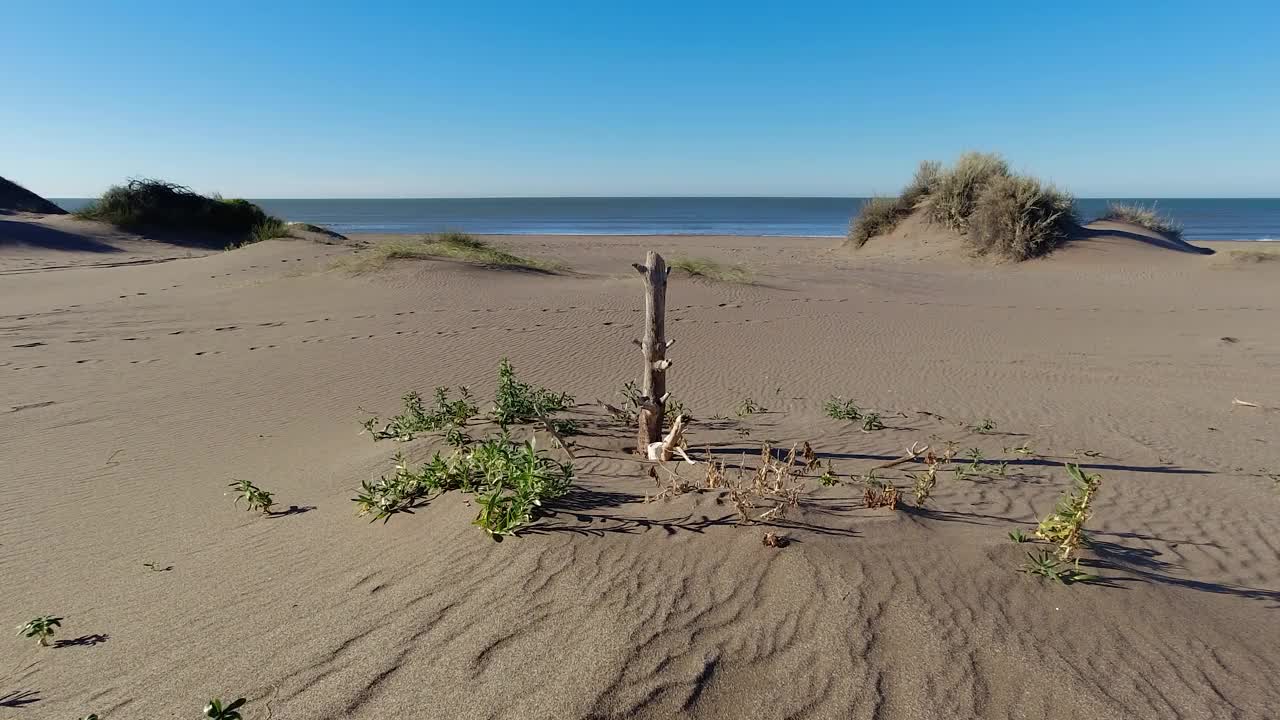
[[511, 479], [450, 245], [254, 497], [1018, 217], [41, 628], [518, 402], [871, 421], [447, 415], [953, 196], [880, 215], [1143, 216], [710, 269], [1064, 526], [1253, 256], [144, 204], [1002, 213], [922, 484], [838, 408], [1018, 536]]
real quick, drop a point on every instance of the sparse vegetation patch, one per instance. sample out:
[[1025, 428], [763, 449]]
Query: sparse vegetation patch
[[452, 246], [710, 269], [1143, 216]]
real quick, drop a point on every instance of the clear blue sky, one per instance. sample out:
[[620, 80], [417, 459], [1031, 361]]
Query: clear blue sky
[[435, 99]]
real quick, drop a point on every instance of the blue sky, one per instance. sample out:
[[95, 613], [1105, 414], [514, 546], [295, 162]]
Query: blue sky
[[431, 99]]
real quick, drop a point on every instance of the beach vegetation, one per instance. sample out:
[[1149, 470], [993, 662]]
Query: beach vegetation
[[216, 710], [709, 269], [1017, 217], [1018, 536], [147, 204], [632, 398], [880, 215], [254, 497], [446, 415], [877, 493], [838, 408], [510, 479], [448, 246], [999, 212], [41, 628], [518, 402], [871, 421], [1064, 526], [1049, 566], [1143, 216], [922, 484], [1254, 256], [749, 407], [986, 426]]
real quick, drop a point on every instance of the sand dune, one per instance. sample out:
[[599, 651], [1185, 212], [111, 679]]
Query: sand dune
[[133, 392]]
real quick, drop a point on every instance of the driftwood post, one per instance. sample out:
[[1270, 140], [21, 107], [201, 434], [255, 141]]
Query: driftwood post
[[654, 346]]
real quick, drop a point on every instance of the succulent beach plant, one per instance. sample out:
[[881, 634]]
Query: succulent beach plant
[[41, 628], [1064, 526], [254, 497], [217, 711], [838, 408]]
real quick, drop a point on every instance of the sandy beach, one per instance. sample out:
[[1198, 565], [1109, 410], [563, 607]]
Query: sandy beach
[[138, 379]]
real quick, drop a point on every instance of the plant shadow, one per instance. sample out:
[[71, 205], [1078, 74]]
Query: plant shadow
[[19, 698], [291, 510], [82, 641]]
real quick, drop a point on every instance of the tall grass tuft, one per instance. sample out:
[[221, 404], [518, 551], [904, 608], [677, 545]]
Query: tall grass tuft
[[1018, 217], [880, 215], [953, 195], [711, 270], [143, 204], [1143, 216]]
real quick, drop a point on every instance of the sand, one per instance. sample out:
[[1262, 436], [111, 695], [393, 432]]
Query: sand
[[136, 382]]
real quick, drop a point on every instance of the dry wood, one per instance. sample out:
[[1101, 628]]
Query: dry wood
[[654, 346], [913, 453]]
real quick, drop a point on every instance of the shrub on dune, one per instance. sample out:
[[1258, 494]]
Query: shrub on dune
[[999, 212], [1143, 216], [952, 197], [449, 245], [1018, 217], [880, 215], [157, 204]]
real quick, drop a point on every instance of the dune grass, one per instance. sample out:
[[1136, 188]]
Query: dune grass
[[449, 245], [1018, 217], [999, 212], [1143, 216], [711, 270], [1253, 256], [146, 204]]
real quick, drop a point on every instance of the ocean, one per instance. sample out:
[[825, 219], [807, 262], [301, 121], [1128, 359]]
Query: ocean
[[1203, 219]]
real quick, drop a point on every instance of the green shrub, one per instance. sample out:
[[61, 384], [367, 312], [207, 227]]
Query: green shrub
[[518, 402], [1017, 217], [513, 479], [156, 204], [838, 408], [1142, 216], [446, 415]]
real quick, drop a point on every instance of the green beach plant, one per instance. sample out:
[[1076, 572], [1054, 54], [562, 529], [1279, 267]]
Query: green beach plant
[[871, 421], [254, 497], [215, 710], [518, 402], [1018, 536], [838, 408], [41, 628], [447, 415], [1064, 526], [749, 407]]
